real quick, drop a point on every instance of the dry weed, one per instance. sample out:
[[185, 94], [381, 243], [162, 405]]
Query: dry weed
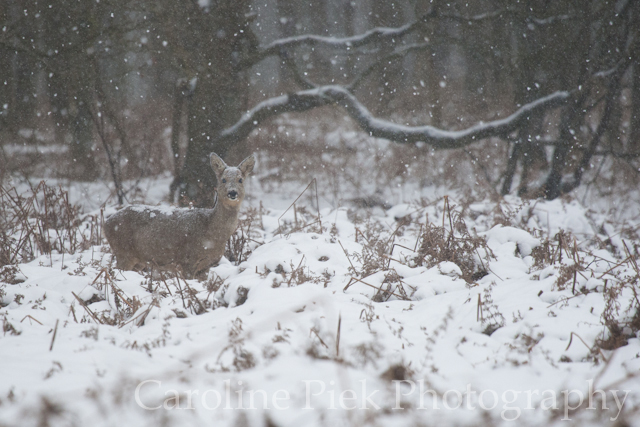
[[489, 315], [242, 359], [376, 247], [455, 244], [43, 222], [247, 236], [303, 219], [621, 315]]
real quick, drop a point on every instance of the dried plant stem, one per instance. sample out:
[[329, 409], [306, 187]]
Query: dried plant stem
[[293, 205], [338, 335], [347, 255], [320, 339], [88, 310], [55, 331], [28, 316], [586, 345], [73, 312], [374, 287]]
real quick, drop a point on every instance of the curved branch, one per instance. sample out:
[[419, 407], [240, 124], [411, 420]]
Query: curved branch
[[438, 138], [380, 128], [292, 103], [375, 35]]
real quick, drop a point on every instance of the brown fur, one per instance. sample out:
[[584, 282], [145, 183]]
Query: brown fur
[[190, 240]]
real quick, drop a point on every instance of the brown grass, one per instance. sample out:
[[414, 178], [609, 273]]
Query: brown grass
[[622, 320], [42, 222], [453, 242]]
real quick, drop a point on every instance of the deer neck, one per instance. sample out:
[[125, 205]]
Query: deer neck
[[223, 220]]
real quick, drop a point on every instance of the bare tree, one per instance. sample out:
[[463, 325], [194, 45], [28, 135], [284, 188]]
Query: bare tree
[[207, 48], [564, 73], [602, 36]]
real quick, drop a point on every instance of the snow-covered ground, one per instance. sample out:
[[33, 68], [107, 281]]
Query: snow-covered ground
[[351, 324]]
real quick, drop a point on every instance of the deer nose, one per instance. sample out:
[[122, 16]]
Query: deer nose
[[232, 194]]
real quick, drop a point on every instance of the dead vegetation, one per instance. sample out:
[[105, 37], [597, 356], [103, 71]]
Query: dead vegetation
[[621, 315], [489, 314], [234, 357], [376, 249], [455, 244], [248, 236], [375, 256], [619, 283], [449, 240], [303, 217], [43, 222]]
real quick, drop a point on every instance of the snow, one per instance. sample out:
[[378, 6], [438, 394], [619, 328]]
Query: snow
[[500, 235], [13, 149], [308, 342]]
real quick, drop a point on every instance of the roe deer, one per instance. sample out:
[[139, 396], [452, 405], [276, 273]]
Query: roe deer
[[188, 239]]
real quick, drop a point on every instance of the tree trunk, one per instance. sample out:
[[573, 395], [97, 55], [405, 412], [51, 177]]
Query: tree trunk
[[391, 78], [71, 80], [634, 135], [219, 99], [525, 58], [81, 145]]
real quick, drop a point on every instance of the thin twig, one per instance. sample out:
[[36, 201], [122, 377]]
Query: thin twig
[[82, 303], [586, 345], [347, 255], [375, 287], [294, 202], [31, 318], [321, 341], [338, 335], [55, 331]]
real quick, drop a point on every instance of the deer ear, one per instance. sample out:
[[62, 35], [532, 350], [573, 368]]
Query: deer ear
[[247, 165], [217, 164]]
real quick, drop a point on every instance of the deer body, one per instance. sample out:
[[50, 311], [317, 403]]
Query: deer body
[[190, 240]]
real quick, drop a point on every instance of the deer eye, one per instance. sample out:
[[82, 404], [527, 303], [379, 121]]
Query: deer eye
[[224, 181], [240, 180]]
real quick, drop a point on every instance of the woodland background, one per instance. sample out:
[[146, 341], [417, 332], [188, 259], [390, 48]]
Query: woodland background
[[123, 89]]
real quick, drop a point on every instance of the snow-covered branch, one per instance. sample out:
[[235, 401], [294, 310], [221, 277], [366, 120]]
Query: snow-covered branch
[[438, 138], [297, 102], [373, 36], [380, 128]]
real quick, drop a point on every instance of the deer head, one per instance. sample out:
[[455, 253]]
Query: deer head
[[231, 179]]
